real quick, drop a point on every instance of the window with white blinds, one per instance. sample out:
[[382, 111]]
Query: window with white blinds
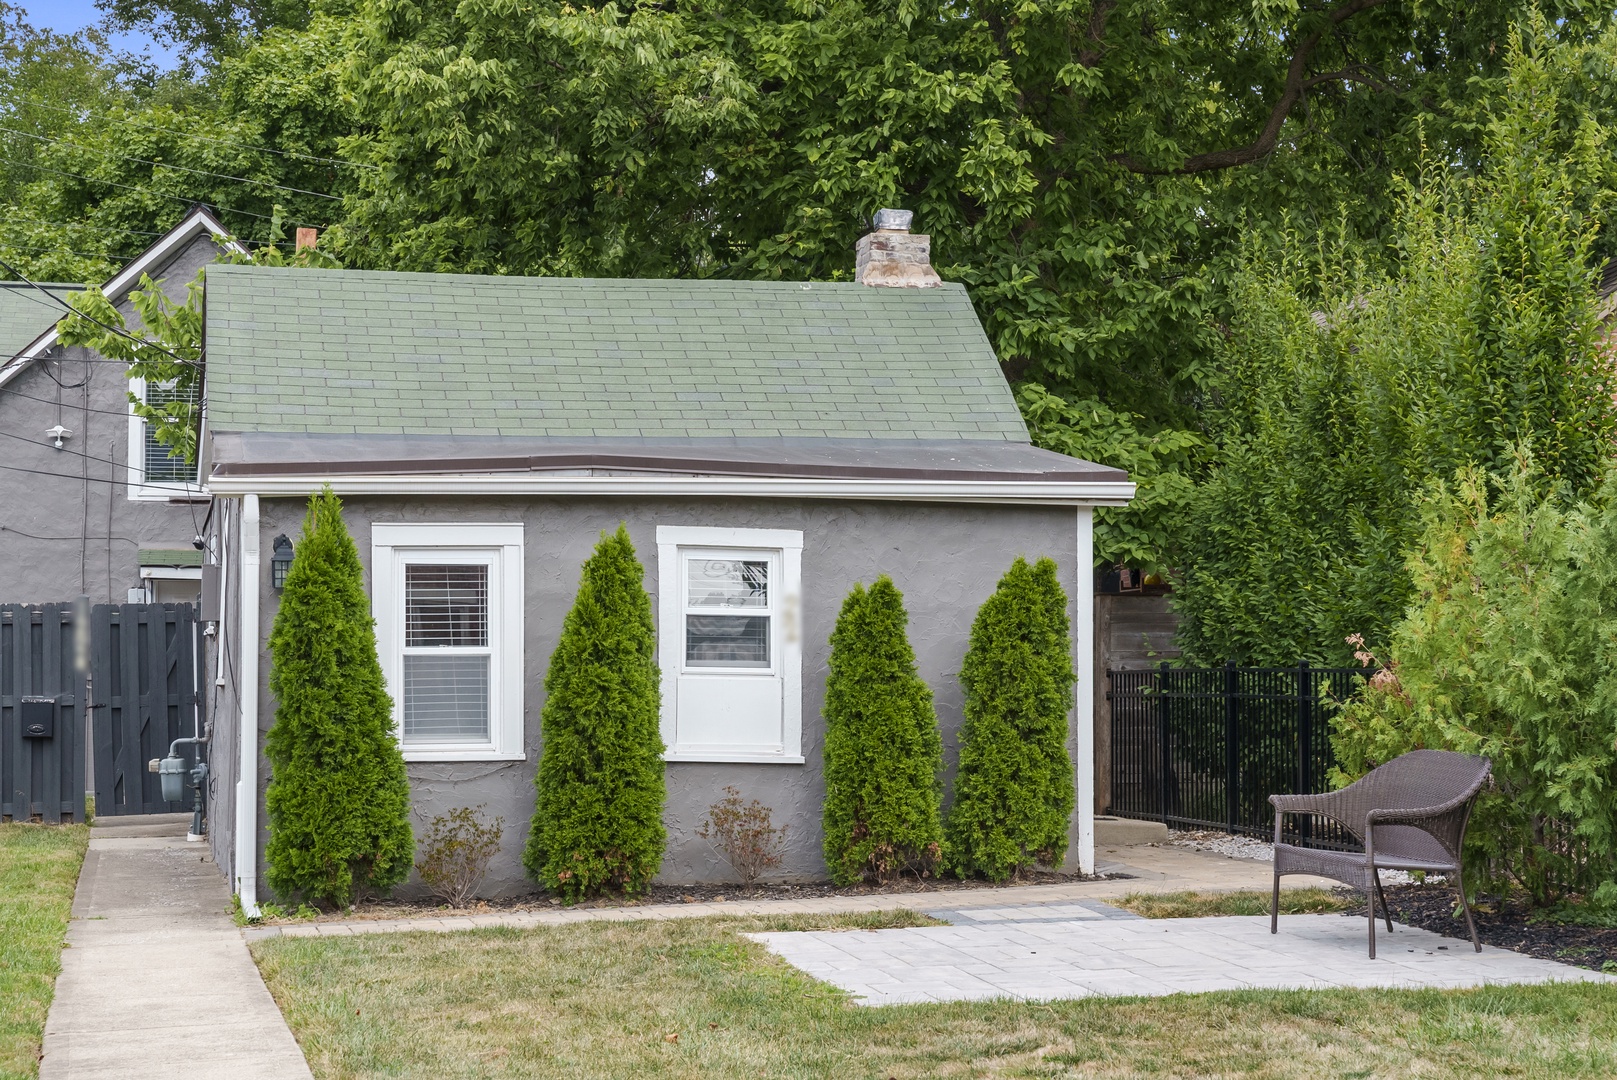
[[448, 603], [158, 467], [446, 653], [730, 649]]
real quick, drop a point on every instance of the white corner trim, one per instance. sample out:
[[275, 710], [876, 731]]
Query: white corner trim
[[248, 643], [1084, 698], [996, 492], [194, 223], [497, 545]]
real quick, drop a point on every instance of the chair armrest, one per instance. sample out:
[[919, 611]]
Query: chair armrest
[[1327, 804]]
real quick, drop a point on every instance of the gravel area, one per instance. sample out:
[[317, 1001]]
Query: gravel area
[[1248, 847]]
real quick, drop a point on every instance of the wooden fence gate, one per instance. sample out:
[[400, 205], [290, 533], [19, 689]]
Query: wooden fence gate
[[145, 689], [42, 683]]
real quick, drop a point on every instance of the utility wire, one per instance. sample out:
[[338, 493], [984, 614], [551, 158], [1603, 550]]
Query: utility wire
[[190, 489], [86, 114], [35, 536], [105, 326], [125, 413], [77, 254], [86, 224], [166, 165], [129, 187]]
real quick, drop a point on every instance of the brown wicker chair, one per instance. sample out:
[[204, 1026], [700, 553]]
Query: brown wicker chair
[[1410, 814]]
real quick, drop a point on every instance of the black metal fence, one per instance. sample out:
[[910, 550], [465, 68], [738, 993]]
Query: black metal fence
[[1206, 747]]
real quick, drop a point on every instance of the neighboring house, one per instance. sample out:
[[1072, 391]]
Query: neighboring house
[[769, 444], [93, 505]]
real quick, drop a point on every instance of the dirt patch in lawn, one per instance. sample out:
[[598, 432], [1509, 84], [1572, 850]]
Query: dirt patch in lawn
[[414, 908], [1506, 924]]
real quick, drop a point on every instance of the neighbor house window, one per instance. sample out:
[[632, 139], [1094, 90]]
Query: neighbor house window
[[153, 473], [448, 606], [730, 648]]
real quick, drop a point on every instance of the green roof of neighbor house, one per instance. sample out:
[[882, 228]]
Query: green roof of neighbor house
[[25, 314], [170, 557], [350, 352]]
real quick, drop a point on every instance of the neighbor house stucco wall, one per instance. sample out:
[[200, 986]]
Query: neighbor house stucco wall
[[69, 526], [945, 558]]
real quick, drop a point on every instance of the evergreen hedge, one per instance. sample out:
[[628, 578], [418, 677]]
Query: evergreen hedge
[[1014, 789], [338, 798], [598, 821], [883, 753]]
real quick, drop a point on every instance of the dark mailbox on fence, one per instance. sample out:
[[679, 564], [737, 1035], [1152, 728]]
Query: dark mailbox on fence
[[38, 717]]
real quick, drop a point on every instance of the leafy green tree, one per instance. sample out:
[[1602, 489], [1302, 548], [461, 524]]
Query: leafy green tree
[[1013, 793], [1347, 389], [1508, 652], [883, 752], [598, 821], [338, 798]]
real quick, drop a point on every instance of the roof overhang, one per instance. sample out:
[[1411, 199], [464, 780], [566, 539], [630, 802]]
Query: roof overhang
[[199, 220], [997, 491]]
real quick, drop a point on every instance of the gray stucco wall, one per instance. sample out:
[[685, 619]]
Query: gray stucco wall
[[68, 526], [945, 558]]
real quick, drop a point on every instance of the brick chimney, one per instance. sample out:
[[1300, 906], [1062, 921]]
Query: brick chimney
[[892, 257], [307, 238]]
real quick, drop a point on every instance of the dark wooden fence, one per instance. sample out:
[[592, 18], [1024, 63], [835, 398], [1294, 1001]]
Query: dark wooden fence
[[42, 683], [145, 694], [1206, 747]]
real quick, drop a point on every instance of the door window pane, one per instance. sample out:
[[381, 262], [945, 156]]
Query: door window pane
[[727, 641], [729, 583]]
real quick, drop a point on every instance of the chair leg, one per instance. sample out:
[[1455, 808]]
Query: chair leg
[[1274, 908], [1466, 907], [1385, 910], [1370, 909]]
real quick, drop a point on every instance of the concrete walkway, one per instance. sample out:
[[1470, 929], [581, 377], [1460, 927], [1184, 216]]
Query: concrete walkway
[[1041, 954], [156, 980], [1155, 869]]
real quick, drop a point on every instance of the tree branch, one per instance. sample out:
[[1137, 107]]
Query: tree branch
[[1297, 83]]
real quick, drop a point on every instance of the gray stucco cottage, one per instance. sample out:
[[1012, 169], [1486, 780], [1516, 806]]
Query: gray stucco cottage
[[483, 431], [94, 506]]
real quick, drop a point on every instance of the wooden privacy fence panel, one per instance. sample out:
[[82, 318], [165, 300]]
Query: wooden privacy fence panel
[[41, 714], [145, 688]]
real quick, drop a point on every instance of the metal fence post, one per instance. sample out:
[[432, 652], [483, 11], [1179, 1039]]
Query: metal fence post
[[1232, 761], [1305, 744], [1162, 722]]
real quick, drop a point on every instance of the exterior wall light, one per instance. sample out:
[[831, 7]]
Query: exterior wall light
[[280, 562]]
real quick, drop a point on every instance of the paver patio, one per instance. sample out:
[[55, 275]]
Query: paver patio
[[1044, 953]]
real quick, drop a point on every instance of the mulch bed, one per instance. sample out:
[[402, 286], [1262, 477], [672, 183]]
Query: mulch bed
[[397, 908], [1503, 924]]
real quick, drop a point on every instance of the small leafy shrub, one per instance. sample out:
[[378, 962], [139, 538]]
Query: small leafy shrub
[[1014, 790], [598, 823], [883, 752], [456, 853], [338, 797], [744, 834], [1510, 651]]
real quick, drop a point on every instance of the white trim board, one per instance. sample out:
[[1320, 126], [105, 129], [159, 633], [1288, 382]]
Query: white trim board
[[998, 492], [115, 287]]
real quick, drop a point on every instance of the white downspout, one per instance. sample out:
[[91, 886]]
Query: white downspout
[[247, 691], [1084, 643]]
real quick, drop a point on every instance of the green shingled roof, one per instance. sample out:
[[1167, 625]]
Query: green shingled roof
[[25, 314], [364, 352], [170, 557]]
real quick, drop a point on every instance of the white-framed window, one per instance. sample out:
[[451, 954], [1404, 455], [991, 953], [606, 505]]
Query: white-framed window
[[729, 643], [153, 474], [448, 605]]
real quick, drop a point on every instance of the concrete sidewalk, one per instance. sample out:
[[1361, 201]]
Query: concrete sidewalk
[[1150, 869], [156, 980]]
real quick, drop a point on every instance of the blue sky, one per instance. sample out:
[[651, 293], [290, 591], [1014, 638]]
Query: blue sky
[[66, 16]]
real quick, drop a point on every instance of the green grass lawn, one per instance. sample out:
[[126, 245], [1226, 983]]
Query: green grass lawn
[[1195, 905], [39, 866], [606, 999]]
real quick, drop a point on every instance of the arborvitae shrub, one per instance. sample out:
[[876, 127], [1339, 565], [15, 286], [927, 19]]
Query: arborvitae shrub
[[883, 753], [598, 822], [1013, 792], [338, 799]]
